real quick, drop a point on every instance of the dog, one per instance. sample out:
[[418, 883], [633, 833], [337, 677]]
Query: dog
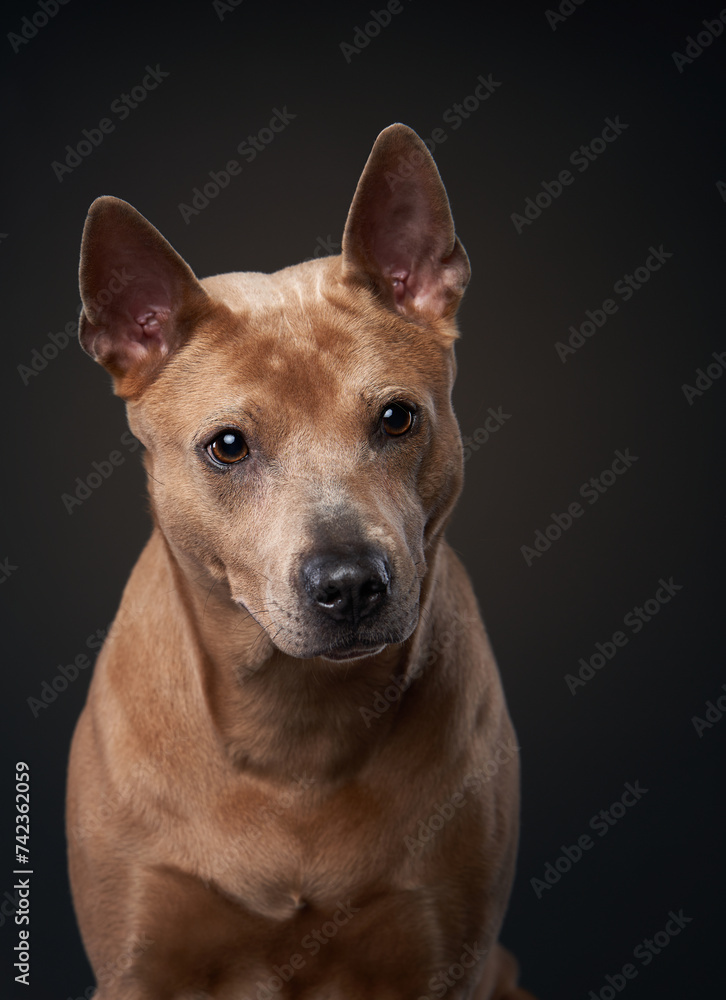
[[295, 775]]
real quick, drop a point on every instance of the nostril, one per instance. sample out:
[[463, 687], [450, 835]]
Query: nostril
[[374, 588], [328, 596]]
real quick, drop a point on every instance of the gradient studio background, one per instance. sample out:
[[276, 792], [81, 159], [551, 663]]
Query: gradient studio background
[[656, 184]]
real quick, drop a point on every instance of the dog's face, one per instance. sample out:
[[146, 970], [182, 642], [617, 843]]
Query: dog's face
[[301, 445]]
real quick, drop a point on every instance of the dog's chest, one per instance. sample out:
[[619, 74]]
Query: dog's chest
[[322, 909], [309, 853]]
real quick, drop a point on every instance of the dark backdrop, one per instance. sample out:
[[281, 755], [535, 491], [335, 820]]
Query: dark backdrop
[[656, 184]]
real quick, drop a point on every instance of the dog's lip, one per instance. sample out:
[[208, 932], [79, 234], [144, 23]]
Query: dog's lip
[[351, 652]]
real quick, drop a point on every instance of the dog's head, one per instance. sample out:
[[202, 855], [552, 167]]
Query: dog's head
[[301, 444]]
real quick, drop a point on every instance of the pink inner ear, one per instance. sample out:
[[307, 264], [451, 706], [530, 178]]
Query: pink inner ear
[[136, 320], [398, 280], [150, 322], [150, 325], [408, 244], [406, 251]]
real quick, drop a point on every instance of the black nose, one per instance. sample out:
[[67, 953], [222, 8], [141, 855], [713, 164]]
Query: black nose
[[347, 587]]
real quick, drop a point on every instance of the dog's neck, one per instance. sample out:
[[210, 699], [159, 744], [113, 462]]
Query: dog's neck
[[281, 716]]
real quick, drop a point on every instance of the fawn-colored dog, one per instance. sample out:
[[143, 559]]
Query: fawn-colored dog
[[295, 775]]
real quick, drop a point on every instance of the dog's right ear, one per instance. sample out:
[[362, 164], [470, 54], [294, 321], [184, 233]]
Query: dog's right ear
[[140, 299], [399, 235]]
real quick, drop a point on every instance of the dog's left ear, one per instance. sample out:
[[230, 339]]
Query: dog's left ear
[[140, 298], [400, 234]]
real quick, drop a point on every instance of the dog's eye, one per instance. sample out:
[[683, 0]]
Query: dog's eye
[[228, 447], [396, 419]]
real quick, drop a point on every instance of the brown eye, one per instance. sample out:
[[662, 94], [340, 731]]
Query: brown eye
[[228, 447], [396, 419]]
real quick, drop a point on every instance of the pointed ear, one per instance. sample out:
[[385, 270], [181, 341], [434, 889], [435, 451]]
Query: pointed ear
[[400, 235], [140, 299]]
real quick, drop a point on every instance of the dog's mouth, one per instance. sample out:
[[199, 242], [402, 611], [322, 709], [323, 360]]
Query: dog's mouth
[[355, 643], [351, 643], [337, 645]]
